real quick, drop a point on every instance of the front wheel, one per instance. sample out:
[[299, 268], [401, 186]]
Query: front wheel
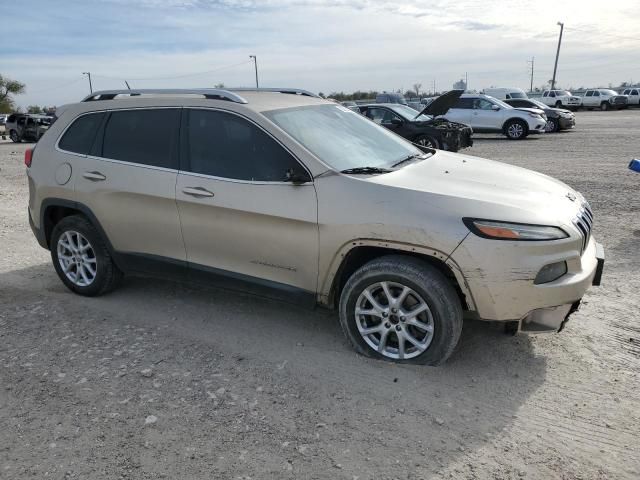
[[13, 135], [604, 106], [401, 309], [427, 141], [551, 126], [516, 129], [81, 258], [558, 104]]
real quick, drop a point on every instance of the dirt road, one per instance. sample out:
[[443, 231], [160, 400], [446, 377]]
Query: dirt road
[[161, 380]]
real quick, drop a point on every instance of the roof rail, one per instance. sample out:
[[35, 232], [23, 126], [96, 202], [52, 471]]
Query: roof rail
[[293, 91], [210, 93]]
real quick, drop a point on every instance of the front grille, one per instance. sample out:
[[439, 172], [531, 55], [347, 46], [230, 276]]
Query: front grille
[[584, 223], [620, 100]]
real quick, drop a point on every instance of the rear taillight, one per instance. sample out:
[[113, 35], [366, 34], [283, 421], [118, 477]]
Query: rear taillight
[[28, 155]]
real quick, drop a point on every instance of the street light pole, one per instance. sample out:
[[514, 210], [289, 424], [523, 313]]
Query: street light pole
[[555, 67], [88, 74], [255, 64]]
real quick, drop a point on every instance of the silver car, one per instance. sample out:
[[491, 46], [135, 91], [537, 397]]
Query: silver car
[[296, 198]]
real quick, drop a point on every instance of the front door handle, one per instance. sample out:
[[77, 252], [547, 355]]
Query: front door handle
[[94, 176], [197, 192]]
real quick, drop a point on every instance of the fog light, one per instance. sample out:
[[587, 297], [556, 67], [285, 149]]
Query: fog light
[[551, 272]]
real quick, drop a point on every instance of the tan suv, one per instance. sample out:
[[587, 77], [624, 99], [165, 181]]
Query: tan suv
[[293, 197]]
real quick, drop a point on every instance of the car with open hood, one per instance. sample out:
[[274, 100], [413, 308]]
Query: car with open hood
[[289, 196], [422, 127]]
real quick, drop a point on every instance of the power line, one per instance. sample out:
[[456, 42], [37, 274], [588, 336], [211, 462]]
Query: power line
[[596, 33], [48, 89], [194, 74]]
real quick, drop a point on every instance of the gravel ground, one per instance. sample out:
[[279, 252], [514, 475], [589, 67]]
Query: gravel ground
[[163, 380]]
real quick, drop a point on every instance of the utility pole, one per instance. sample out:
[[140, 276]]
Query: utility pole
[[466, 80], [531, 62], [555, 67], [88, 74], [255, 64], [434, 86]]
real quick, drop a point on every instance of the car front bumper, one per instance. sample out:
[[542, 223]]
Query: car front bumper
[[566, 122], [502, 285]]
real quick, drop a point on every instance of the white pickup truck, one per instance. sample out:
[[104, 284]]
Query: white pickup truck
[[560, 99], [633, 94], [604, 99]]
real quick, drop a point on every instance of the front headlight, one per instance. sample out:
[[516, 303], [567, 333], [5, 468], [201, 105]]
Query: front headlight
[[497, 230], [534, 115]]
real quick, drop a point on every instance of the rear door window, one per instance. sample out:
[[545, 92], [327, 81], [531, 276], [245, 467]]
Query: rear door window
[[80, 135], [634, 92], [225, 145], [144, 136]]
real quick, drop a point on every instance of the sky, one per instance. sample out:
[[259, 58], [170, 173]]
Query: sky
[[318, 45]]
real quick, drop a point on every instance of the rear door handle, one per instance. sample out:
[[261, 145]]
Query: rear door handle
[[94, 176], [197, 192]]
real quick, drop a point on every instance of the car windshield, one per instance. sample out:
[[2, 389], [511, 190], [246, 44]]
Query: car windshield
[[564, 92], [517, 95], [341, 138], [500, 102], [608, 92], [409, 113], [538, 103]]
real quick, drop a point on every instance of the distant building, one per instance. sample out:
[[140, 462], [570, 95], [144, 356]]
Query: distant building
[[460, 85]]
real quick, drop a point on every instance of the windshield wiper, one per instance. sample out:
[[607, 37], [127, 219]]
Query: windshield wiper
[[365, 170], [407, 158]]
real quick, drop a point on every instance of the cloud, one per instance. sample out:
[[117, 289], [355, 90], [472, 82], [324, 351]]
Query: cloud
[[321, 45]]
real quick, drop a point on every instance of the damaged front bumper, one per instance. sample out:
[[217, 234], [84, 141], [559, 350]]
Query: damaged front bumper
[[553, 319]]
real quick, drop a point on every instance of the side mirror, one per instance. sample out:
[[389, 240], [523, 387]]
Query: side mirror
[[296, 177], [396, 121], [495, 107]]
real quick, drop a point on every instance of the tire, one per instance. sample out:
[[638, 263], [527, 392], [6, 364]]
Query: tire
[[427, 141], [516, 129], [13, 135], [552, 125], [604, 106], [99, 273], [426, 286], [558, 104]]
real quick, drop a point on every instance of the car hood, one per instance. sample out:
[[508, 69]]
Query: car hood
[[481, 187], [443, 103], [539, 111]]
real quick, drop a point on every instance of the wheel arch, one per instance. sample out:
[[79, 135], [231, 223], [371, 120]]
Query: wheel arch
[[53, 210], [358, 252], [511, 119]]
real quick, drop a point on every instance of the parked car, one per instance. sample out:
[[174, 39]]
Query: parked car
[[487, 114], [3, 118], [295, 197], [385, 97], [26, 126], [633, 96], [557, 118], [417, 106], [560, 99], [604, 98], [420, 127], [505, 93]]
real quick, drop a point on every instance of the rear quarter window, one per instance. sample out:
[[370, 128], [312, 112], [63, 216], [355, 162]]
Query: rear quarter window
[[80, 135]]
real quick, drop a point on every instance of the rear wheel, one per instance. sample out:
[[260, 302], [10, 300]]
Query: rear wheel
[[516, 129], [558, 104], [401, 309], [427, 141], [13, 135], [81, 258]]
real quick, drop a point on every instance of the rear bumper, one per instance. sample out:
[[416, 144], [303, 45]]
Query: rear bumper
[[37, 232]]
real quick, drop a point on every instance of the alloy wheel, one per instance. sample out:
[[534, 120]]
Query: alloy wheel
[[77, 258], [394, 320], [515, 130], [14, 136], [426, 142], [550, 126]]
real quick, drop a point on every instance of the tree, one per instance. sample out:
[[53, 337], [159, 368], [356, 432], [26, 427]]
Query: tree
[[8, 88], [34, 109], [416, 88]]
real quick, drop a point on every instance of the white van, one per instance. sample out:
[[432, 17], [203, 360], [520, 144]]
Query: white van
[[505, 93]]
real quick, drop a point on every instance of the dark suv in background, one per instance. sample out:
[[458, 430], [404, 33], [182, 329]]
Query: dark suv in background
[[25, 126], [557, 118]]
